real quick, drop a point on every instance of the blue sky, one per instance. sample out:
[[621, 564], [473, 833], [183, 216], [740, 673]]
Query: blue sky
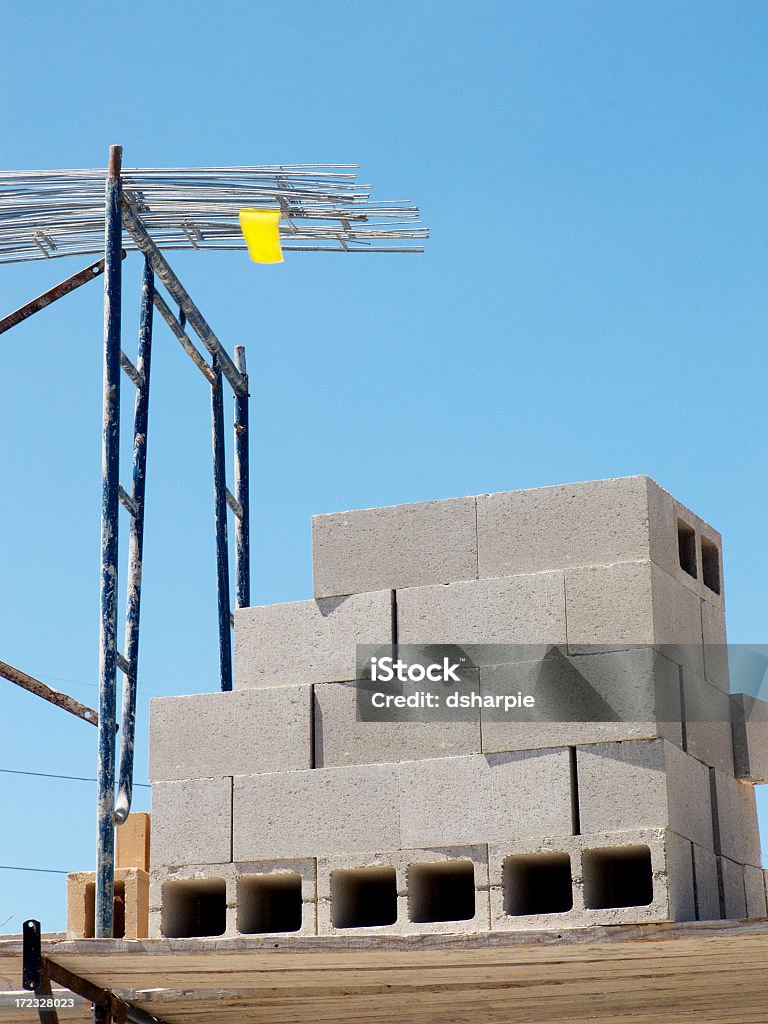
[[592, 303]]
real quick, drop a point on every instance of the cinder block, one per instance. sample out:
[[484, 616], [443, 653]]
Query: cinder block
[[485, 798], [342, 740], [715, 645], [324, 812], [734, 896], [630, 877], [633, 603], [132, 842], [131, 904], [428, 891], [192, 822], [750, 737], [707, 884], [308, 641], [524, 610], [638, 687], [399, 546], [736, 835], [668, 519], [593, 523], [754, 890], [230, 899], [643, 784], [707, 722], [239, 733]]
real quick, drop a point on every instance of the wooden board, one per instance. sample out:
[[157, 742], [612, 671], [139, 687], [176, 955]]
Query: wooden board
[[699, 973]]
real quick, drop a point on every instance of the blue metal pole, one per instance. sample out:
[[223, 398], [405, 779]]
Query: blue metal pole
[[242, 522], [222, 546], [105, 854], [136, 546]]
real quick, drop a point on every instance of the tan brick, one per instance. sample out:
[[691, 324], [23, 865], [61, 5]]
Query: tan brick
[[131, 904], [132, 842]]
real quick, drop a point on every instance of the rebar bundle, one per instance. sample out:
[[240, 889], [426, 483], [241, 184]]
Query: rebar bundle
[[45, 214]]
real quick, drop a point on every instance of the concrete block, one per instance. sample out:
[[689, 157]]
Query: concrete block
[[734, 896], [639, 688], [131, 904], [754, 891], [308, 641], [643, 784], [680, 539], [750, 737], [427, 891], [230, 899], [132, 842], [342, 740], [707, 884], [715, 645], [633, 603], [736, 834], [239, 733], [192, 822], [524, 610], [630, 877], [594, 523], [323, 812], [484, 798], [399, 546], [707, 722]]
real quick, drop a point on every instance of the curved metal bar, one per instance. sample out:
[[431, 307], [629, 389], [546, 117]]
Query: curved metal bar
[[135, 547]]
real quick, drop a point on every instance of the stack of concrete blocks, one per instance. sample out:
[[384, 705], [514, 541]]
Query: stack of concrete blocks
[[275, 810]]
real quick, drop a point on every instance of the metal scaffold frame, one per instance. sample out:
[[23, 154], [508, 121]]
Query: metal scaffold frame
[[47, 214]]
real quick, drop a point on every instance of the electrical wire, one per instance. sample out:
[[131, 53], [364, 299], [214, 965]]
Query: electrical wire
[[71, 778]]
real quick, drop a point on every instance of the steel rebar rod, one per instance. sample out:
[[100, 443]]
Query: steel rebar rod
[[105, 852], [135, 547]]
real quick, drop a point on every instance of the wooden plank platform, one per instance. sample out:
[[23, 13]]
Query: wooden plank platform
[[707, 973]]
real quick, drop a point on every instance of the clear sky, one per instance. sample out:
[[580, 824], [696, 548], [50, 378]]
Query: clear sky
[[592, 303]]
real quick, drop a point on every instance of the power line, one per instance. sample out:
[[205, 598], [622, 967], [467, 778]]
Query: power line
[[44, 871], [71, 778]]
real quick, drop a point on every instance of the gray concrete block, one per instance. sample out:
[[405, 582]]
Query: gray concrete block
[[754, 891], [707, 722], [323, 812], [633, 603], [707, 884], [308, 641], [239, 733], [629, 877], [524, 610], [715, 645], [736, 836], [342, 740], [666, 516], [441, 890], [638, 687], [750, 737], [192, 822], [733, 889], [261, 897], [593, 523], [390, 548], [643, 784], [485, 798]]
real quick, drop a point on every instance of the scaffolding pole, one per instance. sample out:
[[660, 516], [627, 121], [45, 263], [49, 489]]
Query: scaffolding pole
[[105, 850]]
